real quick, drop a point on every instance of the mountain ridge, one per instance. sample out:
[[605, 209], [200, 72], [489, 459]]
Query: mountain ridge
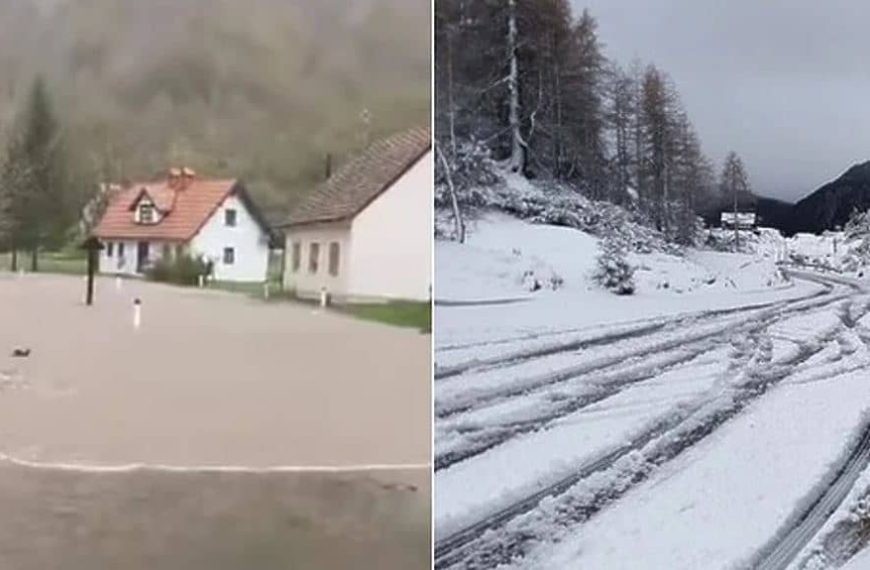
[[826, 208]]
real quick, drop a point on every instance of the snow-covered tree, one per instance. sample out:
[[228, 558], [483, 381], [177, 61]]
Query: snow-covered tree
[[529, 80], [613, 271], [734, 186]]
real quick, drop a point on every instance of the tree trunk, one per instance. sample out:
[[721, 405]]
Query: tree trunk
[[451, 111], [557, 97], [517, 161], [14, 258], [736, 227], [34, 260], [459, 224]]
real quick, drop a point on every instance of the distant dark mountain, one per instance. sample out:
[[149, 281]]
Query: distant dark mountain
[[827, 208], [773, 213], [832, 204]]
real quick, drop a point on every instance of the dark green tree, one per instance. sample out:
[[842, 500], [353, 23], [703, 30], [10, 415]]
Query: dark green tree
[[34, 178]]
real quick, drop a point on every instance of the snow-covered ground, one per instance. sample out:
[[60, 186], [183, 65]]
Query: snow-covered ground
[[693, 424], [503, 257], [726, 497], [859, 562]]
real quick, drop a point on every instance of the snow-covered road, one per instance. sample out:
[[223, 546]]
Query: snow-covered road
[[711, 439]]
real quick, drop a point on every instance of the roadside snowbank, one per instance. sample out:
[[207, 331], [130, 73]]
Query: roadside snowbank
[[505, 257], [549, 268]]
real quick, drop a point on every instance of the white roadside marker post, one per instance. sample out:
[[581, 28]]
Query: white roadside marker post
[[118, 283], [323, 297], [137, 313], [266, 290]]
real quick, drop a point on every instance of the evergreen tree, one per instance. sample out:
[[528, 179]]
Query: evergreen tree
[[734, 188], [529, 82], [656, 108], [621, 112], [34, 178]]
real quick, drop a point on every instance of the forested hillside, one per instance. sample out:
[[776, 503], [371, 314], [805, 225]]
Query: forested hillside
[[525, 85], [260, 89]]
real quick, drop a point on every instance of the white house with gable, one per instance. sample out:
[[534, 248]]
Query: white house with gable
[[184, 214], [366, 233]]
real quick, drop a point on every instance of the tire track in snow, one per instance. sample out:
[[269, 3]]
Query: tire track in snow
[[635, 330], [493, 435], [599, 391], [481, 541], [478, 400], [785, 548]]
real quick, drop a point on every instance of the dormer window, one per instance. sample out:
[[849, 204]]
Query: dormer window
[[146, 214]]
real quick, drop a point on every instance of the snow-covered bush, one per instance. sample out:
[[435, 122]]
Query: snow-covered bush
[[532, 282], [486, 186], [613, 271], [559, 204], [857, 234]]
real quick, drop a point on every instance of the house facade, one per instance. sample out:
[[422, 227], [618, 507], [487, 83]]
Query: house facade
[[183, 214], [365, 234], [743, 220]]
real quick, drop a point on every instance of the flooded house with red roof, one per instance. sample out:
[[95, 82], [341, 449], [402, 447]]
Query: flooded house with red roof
[[184, 214], [366, 232]]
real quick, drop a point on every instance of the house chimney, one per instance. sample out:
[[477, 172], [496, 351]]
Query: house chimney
[[186, 178], [328, 165], [173, 179]]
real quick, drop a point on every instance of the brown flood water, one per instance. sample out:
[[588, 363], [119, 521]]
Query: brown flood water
[[146, 520], [210, 379]]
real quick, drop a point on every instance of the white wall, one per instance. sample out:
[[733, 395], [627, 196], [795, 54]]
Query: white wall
[[391, 240], [251, 244], [309, 284], [113, 265]]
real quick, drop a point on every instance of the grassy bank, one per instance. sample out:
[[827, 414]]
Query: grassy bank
[[68, 263], [410, 314]]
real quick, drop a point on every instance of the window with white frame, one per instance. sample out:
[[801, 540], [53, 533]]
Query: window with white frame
[[230, 217], [229, 256], [147, 214], [110, 248]]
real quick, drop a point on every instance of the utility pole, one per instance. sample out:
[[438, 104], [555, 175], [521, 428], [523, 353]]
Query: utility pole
[[93, 246], [736, 226]]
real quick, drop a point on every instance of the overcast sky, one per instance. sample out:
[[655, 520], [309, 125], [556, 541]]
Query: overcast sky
[[785, 83]]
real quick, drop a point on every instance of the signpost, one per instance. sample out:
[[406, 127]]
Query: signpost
[[93, 246]]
